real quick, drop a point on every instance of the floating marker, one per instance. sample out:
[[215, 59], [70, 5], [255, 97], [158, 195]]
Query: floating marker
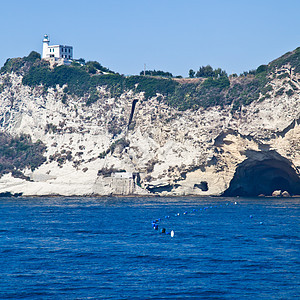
[[172, 233], [250, 216], [260, 223]]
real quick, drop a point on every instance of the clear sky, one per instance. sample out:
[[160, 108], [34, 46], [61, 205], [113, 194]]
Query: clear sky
[[169, 35]]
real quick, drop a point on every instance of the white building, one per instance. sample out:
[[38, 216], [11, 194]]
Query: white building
[[56, 52]]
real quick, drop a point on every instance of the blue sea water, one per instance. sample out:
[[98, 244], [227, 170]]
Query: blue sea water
[[106, 248]]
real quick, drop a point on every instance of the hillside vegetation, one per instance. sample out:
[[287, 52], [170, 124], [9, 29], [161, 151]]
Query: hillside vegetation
[[17, 153], [216, 88]]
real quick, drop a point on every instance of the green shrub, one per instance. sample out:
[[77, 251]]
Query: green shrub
[[266, 89], [290, 58], [94, 66], [261, 69], [102, 154], [280, 92], [18, 65], [221, 82], [284, 75], [245, 91], [293, 86], [192, 73], [64, 99], [156, 73], [32, 57], [50, 128], [17, 153], [150, 86], [92, 98]]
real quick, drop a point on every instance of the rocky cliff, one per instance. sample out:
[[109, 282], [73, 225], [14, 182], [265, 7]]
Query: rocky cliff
[[127, 144]]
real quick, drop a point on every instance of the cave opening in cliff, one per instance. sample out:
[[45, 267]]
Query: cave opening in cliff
[[262, 176]]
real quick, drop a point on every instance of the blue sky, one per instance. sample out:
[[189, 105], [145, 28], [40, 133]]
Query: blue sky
[[169, 35]]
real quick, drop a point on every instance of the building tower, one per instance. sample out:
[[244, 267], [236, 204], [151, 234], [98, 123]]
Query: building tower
[[45, 45]]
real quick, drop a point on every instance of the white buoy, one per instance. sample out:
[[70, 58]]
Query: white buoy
[[172, 233]]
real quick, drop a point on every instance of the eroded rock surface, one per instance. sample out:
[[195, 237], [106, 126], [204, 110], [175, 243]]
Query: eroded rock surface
[[213, 151]]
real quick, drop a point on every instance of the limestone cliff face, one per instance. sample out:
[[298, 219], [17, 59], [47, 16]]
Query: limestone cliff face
[[162, 150]]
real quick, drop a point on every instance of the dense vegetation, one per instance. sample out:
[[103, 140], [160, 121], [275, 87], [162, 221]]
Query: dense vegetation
[[17, 153], [214, 87], [83, 80], [20, 65], [207, 72], [156, 73], [292, 58], [195, 95]]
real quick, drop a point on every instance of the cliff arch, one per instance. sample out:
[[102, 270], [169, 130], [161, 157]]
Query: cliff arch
[[262, 173]]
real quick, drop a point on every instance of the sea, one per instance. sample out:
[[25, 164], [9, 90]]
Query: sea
[[116, 248]]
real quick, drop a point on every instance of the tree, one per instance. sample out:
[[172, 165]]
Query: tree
[[262, 68], [191, 73], [157, 73], [205, 71], [81, 61], [33, 56]]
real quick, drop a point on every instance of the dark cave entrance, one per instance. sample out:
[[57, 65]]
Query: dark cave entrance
[[263, 174]]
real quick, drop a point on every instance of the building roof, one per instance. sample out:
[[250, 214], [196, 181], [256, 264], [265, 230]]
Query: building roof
[[59, 46]]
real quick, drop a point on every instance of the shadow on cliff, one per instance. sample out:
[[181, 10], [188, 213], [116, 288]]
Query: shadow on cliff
[[262, 173]]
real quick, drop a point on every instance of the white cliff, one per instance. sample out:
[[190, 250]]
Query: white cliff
[[173, 152]]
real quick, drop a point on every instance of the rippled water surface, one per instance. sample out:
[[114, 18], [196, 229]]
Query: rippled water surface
[[106, 248]]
